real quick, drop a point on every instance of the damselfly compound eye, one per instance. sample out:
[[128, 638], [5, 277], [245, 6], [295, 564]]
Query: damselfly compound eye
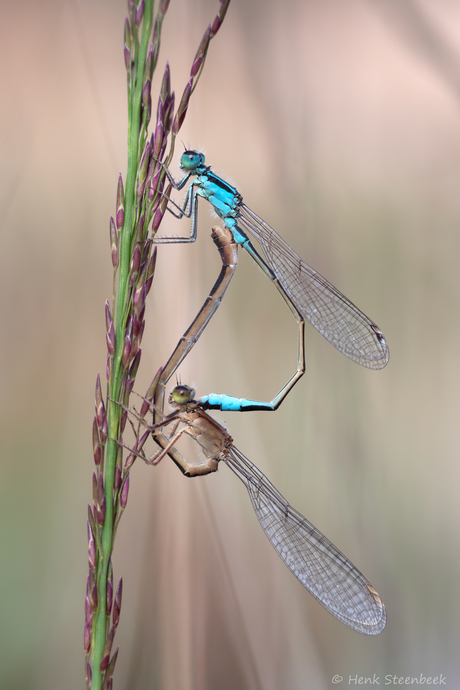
[[182, 394], [191, 160]]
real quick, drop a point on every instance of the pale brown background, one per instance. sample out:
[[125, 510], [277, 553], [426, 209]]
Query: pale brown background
[[340, 123]]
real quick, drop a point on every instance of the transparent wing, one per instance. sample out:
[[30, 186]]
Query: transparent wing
[[331, 313], [327, 574]]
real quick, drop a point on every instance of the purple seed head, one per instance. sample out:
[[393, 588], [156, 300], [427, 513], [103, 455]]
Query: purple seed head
[[94, 488], [135, 365], [157, 218], [160, 110], [136, 326], [143, 170], [161, 210], [155, 35], [219, 17], [110, 339], [165, 91], [104, 663], [146, 405], [156, 186], [169, 112], [107, 649], [92, 594], [92, 556], [89, 530], [146, 91], [139, 13], [163, 148], [97, 455], [164, 6], [196, 65], [215, 26], [137, 342], [127, 56], [138, 240], [124, 493], [159, 137], [117, 478], [130, 461], [91, 519], [120, 217], [100, 490], [88, 612], [108, 316], [104, 431], [120, 214], [153, 163], [141, 277], [109, 597], [113, 242], [151, 271], [141, 270], [140, 294], [117, 604], [100, 514], [111, 666], [147, 101], [143, 439], [100, 407], [150, 62], [124, 417], [87, 638], [201, 52], [127, 36], [97, 450], [127, 347], [142, 306], [135, 262], [99, 511], [110, 330], [182, 109]]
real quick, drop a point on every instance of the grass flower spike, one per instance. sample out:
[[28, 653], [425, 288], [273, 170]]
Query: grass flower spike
[[139, 209]]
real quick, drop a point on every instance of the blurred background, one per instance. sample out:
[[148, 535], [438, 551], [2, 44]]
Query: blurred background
[[340, 124]]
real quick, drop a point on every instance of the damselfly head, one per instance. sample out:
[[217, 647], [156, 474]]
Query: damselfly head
[[190, 160], [182, 394]]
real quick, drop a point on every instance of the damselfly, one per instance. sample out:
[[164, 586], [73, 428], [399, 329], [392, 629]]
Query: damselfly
[[321, 568], [309, 296]]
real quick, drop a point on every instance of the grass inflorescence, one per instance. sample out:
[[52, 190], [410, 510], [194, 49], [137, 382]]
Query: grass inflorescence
[[141, 202]]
